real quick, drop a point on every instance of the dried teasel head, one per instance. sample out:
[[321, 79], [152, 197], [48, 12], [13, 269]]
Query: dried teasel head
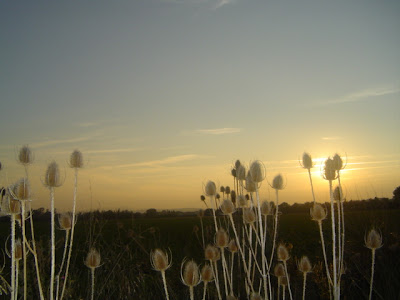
[[337, 162], [277, 182], [233, 197], [93, 259], [241, 173], [210, 253], [232, 247], [25, 155], [222, 189], [282, 253], [307, 162], [279, 270], [242, 201], [284, 281], [231, 297], [202, 198], [304, 265], [266, 208], [237, 164], [227, 190], [249, 215], [207, 273], [329, 172], [22, 189], [210, 189], [318, 212], [52, 177], [257, 171], [18, 249], [373, 240], [221, 238], [227, 207], [159, 260], [190, 273], [65, 221], [76, 159], [337, 194], [255, 296], [233, 172], [250, 186]]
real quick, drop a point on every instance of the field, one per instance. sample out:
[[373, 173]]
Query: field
[[125, 246]]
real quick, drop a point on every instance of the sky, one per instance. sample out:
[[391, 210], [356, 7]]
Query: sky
[[161, 96]]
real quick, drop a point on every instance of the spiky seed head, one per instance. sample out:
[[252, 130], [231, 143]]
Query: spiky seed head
[[93, 259], [221, 238], [190, 276], [159, 260], [318, 212], [242, 201], [257, 171], [18, 249], [237, 164], [25, 156], [337, 194], [249, 216], [250, 185], [241, 173], [202, 198], [373, 240], [277, 182], [307, 161], [227, 207], [227, 190], [255, 296], [282, 253], [76, 159], [232, 247], [210, 188], [233, 172], [266, 208], [329, 169], [222, 189], [279, 270], [22, 189], [304, 265], [207, 273], [217, 196], [210, 253], [337, 162], [65, 220], [52, 177], [15, 206], [284, 281]]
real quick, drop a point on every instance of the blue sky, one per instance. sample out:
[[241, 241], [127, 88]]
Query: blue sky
[[162, 95]]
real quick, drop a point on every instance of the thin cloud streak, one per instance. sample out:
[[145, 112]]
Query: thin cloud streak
[[163, 162], [113, 150], [219, 131], [56, 142]]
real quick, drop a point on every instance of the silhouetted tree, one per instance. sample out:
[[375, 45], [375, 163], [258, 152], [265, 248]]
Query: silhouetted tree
[[396, 194]]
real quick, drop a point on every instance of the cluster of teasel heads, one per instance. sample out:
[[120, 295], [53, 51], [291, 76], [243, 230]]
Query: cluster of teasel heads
[[16, 202], [246, 234]]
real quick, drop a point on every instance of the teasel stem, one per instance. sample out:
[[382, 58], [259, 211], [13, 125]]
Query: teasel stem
[[253, 254], [275, 229], [204, 290], [279, 286], [202, 232], [311, 183], [283, 291], [62, 262], [191, 292], [213, 205], [12, 256], [304, 285], [372, 274], [224, 270], [232, 263], [216, 278], [324, 253], [23, 244], [262, 241], [288, 281], [72, 232], [335, 291], [339, 240], [343, 228], [92, 271], [16, 279], [165, 284], [53, 245]]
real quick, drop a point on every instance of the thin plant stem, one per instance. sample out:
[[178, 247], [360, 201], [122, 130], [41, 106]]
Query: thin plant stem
[[372, 274], [288, 281], [279, 284], [283, 292], [213, 205], [12, 256], [165, 284], [92, 294], [343, 228], [53, 245], [202, 231], [324, 253], [191, 292], [275, 229], [204, 290], [262, 241], [311, 183], [232, 262], [224, 268], [23, 244], [214, 265], [304, 285], [16, 279], [62, 262], [335, 292]]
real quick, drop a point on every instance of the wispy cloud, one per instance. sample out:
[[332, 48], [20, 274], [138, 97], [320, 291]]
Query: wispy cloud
[[88, 124], [219, 131], [105, 151], [331, 138], [163, 162], [57, 142], [363, 95], [214, 4], [221, 3]]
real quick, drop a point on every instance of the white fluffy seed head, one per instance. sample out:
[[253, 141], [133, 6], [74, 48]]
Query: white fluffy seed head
[[249, 216], [207, 273], [93, 259], [190, 276], [304, 265], [257, 171], [307, 161], [227, 207], [76, 159], [221, 238], [318, 212], [52, 177], [282, 253], [277, 182], [25, 155], [373, 240], [159, 260]]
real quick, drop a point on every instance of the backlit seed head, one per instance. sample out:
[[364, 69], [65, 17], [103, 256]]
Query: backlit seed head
[[373, 240], [159, 260], [337, 162], [233, 172], [93, 259], [266, 208], [227, 207], [202, 198], [249, 216], [304, 265], [18, 249], [282, 253], [257, 171], [210, 188], [25, 156], [210, 253], [279, 270], [227, 190], [65, 221], [255, 296], [221, 238], [207, 273], [232, 247], [241, 173], [337, 194], [237, 164], [242, 201], [277, 182], [318, 212], [217, 196], [22, 190], [233, 196], [250, 186], [190, 275], [222, 189], [231, 297], [76, 159], [15, 206], [284, 281], [329, 170], [307, 161], [52, 177]]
